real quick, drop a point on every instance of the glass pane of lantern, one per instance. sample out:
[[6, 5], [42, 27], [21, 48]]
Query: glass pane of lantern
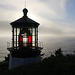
[[25, 45], [14, 31], [36, 38], [17, 40], [14, 45], [33, 45], [36, 45], [25, 40], [18, 33], [25, 34], [36, 31], [30, 30], [33, 31], [14, 37], [29, 39], [33, 40]]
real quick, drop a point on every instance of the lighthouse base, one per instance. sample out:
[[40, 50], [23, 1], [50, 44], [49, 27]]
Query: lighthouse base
[[15, 62]]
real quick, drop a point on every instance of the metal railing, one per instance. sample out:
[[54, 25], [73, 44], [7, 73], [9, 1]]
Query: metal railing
[[40, 44], [9, 44]]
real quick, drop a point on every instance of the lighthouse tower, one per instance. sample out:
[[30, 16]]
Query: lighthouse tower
[[25, 48]]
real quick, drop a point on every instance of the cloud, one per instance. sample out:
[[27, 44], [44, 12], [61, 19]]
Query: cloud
[[49, 13], [57, 30], [49, 9], [53, 8], [5, 29]]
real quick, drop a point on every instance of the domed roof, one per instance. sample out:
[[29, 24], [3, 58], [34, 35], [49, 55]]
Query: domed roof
[[24, 21]]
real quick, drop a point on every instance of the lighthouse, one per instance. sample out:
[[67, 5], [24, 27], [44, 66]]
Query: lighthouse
[[25, 48]]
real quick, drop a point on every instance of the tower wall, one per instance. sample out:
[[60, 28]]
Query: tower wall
[[15, 62]]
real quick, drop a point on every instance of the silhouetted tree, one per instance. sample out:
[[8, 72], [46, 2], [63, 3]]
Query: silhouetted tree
[[58, 52], [7, 58]]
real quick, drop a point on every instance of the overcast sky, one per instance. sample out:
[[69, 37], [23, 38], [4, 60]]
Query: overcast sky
[[56, 17]]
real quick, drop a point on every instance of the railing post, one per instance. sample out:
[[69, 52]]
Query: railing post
[[40, 44]]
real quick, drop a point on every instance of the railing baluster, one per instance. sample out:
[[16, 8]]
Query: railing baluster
[[40, 44]]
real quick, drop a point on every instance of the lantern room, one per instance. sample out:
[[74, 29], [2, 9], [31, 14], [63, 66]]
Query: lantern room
[[24, 37], [25, 32]]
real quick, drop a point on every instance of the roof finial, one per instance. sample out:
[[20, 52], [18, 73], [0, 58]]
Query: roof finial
[[25, 11]]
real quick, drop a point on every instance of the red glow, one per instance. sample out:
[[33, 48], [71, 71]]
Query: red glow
[[29, 39], [21, 39]]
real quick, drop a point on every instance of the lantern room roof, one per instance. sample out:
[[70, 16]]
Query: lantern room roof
[[24, 21]]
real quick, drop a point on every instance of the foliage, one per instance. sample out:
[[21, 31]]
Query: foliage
[[7, 58], [58, 52], [53, 65]]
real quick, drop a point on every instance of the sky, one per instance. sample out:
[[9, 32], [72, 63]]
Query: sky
[[56, 17]]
